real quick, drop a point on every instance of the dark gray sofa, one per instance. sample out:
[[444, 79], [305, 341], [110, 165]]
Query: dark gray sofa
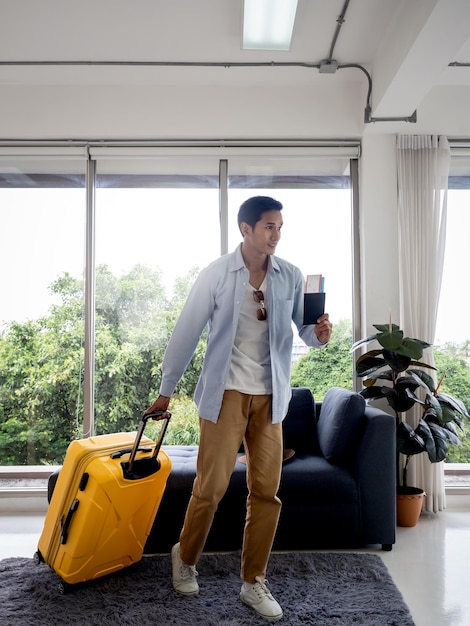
[[338, 490]]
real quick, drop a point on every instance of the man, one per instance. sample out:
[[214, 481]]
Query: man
[[248, 300]]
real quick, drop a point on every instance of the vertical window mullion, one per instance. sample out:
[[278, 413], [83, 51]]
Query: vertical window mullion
[[89, 369], [356, 258], [223, 205]]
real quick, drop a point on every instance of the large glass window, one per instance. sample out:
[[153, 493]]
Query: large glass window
[[154, 231], [317, 237], [42, 216], [454, 303], [128, 230], [452, 344]]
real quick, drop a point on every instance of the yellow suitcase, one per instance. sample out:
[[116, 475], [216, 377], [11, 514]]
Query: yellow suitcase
[[104, 504]]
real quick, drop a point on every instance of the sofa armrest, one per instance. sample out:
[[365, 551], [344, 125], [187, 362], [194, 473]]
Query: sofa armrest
[[375, 472]]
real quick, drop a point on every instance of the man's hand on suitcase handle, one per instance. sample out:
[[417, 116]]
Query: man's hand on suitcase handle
[[159, 409], [157, 415]]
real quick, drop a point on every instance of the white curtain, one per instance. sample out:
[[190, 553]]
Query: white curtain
[[423, 168]]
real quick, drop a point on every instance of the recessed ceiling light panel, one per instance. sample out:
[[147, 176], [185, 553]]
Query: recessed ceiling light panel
[[268, 24]]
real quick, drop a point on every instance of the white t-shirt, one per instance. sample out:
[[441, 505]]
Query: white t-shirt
[[250, 366]]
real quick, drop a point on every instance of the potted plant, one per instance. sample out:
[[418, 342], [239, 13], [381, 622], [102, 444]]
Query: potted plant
[[391, 372]]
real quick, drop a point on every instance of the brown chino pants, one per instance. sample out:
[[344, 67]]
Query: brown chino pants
[[244, 418]]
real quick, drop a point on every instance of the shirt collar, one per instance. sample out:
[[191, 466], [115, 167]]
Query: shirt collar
[[237, 262]]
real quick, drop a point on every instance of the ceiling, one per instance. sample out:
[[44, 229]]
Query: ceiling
[[406, 46]]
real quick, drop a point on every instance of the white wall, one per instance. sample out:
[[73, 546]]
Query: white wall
[[378, 231], [175, 111]]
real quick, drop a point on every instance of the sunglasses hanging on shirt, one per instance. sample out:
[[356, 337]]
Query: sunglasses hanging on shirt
[[261, 313]]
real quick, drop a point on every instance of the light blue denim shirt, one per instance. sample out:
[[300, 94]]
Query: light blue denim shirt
[[214, 300]]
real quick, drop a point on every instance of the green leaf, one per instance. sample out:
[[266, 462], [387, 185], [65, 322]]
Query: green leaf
[[408, 441], [435, 439], [421, 364], [374, 392], [361, 342], [447, 414], [407, 382], [401, 400], [369, 363], [390, 340], [387, 375], [385, 328], [453, 403], [424, 379], [397, 362], [412, 348], [452, 434], [433, 402]]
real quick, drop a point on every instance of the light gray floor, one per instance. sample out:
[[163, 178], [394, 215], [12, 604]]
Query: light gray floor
[[430, 563]]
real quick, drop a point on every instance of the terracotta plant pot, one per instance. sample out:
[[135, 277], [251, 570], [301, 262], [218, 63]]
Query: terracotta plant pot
[[409, 506]]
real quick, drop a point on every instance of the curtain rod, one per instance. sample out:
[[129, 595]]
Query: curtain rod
[[184, 143]]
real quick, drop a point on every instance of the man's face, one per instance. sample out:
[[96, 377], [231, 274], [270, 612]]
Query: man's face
[[264, 237]]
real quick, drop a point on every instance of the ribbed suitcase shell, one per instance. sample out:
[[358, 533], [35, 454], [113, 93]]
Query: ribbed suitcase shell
[[98, 520]]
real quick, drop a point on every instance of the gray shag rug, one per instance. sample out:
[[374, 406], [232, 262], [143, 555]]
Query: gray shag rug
[[318, 589]]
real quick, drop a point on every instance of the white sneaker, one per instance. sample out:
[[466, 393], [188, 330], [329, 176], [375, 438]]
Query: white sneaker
[[259, 598], [184, 576]]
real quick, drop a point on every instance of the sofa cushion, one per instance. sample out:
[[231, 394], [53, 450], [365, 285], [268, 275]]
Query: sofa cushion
[[299, 426], [341, 416], [310, 480]]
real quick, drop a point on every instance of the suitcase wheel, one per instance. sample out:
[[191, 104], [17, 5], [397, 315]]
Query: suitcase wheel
[[64, 588], [38, 558]]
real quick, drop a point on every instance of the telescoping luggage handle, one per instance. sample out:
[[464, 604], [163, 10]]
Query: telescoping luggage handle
[[164, 417]]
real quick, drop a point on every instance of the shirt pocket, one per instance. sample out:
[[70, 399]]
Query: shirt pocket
[[282, 313]]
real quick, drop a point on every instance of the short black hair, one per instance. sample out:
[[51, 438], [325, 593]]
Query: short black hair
[[250, 211]]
